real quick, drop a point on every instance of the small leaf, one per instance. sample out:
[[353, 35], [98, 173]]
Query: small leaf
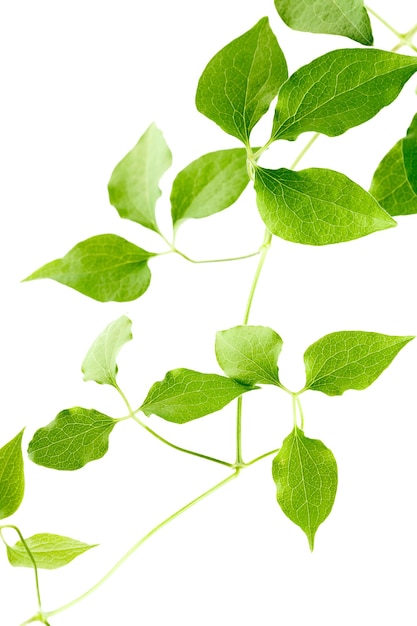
[[100, 363], [12, 477], [74, 438], [349, 360], [240, 82], [134, 184], [316, 206], [394, 184], [185, 395], [249, 354], [305, 473], [340, 90], [49, 551], [347, 18], [209, 184], [105, 267]]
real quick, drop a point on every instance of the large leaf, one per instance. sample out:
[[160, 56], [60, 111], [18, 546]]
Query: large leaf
[[349, 360], [394, 184], [240, 82], [185, 395], [317, 206], [74, 438], [340, 90], [12, 477], [100, 362], [105, 267], [209, 184], [305, 473], [134, 184], [347, 18], [49, 551], [249, 354]]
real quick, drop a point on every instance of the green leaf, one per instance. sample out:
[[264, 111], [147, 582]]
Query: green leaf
[[340, 90], [349, 360], [12, 477], [249, 354], [49, 551], [347, 18], [240, 82], [394, 184], [134, 184], [305, 473], [209, 184], [105, 267], [316, 206], [74, 438], [185, 395], [100, 363]]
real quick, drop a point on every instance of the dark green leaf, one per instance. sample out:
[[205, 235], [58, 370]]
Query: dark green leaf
[[185, 395], [100, 363], [394, 184], [240, 82], [105, 267], [49, 551], [349, 360], [340, 90], [209, 184], [305, 473], [249, 354], [317, 206], [347, 18], [12, 477], [74, 438], [134, 184]]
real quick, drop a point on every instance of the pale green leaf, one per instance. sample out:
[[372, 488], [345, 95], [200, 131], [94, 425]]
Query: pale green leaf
[[240, 82], [74, 438], [305, 473], [185, 395], [49, 551], [340, 90], [105, 267], [394, 184], [349, 360], [209, 184], [347, 18], [134, 183], [12, 477], [249, 354], [100, 362], [316, 206]]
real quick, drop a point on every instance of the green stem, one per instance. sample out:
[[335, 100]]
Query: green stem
[[234, 258], [300, 409], [168, 443], [304, 150], [139, 543], [384, 22], [263, 456], [264, 251]]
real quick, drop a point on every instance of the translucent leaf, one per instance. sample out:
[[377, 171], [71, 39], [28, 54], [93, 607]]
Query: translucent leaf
[[12, 477], [49, 551], [100, 362]]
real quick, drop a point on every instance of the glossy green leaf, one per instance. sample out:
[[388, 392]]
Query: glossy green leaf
[[105, 267], [209, 184], [134, 184], [240, 82], [305, 473], [349, 360], [316, 206], [74, 438], [394, 184], [347, 18], [100, 362], [249, 354], [340, 90], [12, 477], [185, 395], [49, 551]]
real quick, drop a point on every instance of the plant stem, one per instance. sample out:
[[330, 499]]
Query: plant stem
[[305, 150], [384, 22], [139, 543], [263, 456], [300, 409], [235, 258]]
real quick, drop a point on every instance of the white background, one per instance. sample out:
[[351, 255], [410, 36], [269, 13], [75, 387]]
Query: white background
[[81, 82]]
